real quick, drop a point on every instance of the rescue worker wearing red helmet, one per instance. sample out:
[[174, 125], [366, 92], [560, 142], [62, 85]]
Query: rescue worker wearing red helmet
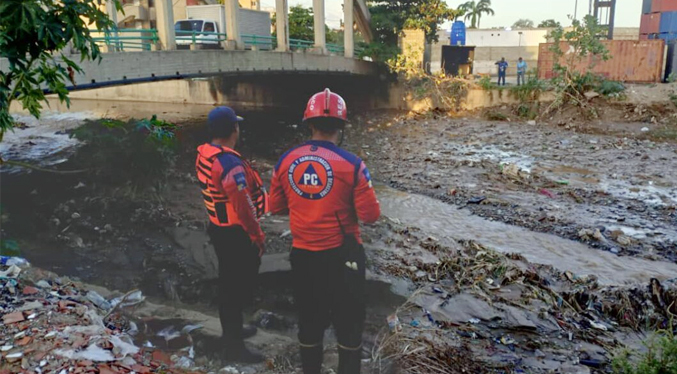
[[326, 191], [235, 199]]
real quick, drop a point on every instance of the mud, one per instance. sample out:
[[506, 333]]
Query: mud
[[542, 177], [536, 193]]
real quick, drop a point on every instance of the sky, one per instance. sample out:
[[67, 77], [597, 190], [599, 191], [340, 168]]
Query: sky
[[628, 12]]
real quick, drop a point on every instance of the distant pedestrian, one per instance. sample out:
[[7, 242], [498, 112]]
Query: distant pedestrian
[[521, 71], [502, 68]]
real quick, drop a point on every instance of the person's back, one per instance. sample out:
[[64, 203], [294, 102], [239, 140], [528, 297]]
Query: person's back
[[326, 190]]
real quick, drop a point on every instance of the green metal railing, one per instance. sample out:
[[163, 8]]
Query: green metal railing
[[259, 41], [126, 39], [201, 37], [144, 39]]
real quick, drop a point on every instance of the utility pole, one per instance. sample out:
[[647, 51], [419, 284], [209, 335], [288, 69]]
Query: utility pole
[[576, 10]]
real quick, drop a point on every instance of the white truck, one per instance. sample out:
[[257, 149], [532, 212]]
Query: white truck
[[205, 21]]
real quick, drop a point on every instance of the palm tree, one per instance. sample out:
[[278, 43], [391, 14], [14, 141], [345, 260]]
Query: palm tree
[[474, 9]]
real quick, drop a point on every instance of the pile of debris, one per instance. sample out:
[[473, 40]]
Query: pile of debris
[[474, 305], [53, 325]]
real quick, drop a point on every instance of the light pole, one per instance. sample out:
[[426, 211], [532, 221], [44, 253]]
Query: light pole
[[576, 10]]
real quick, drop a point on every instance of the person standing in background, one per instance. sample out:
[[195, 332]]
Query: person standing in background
[[502, 68], [521, 71]]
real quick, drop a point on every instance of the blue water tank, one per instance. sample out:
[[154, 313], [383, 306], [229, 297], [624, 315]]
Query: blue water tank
[[668, 23], [458, 33]]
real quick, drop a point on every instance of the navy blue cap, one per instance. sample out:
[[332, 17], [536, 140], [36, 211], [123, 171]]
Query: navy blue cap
[[222, 115]]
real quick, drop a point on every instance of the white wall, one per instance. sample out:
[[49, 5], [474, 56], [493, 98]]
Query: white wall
[[503, 38]]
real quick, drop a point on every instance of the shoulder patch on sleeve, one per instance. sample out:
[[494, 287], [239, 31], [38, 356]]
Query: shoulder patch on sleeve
[[241, 181], [367, 176]]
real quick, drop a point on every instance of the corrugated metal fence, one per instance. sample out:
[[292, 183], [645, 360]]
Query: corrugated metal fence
[[631, 61]]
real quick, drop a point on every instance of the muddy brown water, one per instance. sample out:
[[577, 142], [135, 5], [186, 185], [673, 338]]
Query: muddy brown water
[[438, 218]]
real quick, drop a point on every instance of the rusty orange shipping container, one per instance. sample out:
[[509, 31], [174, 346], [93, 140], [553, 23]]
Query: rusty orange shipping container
[[631, 61], [664, 5], [651, 23]]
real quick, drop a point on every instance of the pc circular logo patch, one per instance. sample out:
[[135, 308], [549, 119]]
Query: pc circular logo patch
[[311, 177]]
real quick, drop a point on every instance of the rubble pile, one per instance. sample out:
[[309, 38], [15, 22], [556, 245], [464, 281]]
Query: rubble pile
[[473, 304], [53, 325]]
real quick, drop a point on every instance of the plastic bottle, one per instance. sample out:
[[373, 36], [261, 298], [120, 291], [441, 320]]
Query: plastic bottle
[[18, 261]]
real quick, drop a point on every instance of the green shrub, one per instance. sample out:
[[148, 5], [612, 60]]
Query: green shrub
[[493, 115], [530, 91], [128, 153], [610, 88], [485, 83], [660, 357]]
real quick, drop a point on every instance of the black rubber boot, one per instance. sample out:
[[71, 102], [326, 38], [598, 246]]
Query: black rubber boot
[[350, 361], [311, 359], [237, 352], [248, 331]]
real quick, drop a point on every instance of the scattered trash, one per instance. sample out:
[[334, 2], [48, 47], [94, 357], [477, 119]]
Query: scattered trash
[[645, 129], [598, 326], [415, 323], [98, 300], [563, 182], [474, 321], [14, 261], [476, 200], [547, 193], [394, 323], [285, 234]]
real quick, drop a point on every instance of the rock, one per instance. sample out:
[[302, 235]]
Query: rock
[[532, 123], [597, 235], [585, 234], [229, 370], [624, 240], [591, 95], [645, 129], [75, 215]]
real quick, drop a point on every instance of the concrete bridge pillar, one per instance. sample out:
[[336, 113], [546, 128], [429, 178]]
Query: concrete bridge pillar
[[319, 26], [282, 25], [232, 25], [113, 15], [348, 21], [165, 24]]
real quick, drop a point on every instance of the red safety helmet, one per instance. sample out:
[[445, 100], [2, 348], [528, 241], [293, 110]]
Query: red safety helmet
[[326, 104]]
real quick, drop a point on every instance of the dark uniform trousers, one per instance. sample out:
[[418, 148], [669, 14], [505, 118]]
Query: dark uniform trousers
[[327, 292], [238, 269]]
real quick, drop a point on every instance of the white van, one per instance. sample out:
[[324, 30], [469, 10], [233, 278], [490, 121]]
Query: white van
[[186, 28]]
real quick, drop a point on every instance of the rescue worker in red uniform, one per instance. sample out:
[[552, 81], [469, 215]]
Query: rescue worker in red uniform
[[325, 191], [235, 200]]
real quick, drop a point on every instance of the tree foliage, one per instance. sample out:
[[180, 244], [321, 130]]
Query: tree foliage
[[390, 17], [570, 48], [549, 23], [523, 23], [302, 26], [474, 10], [33, 34]]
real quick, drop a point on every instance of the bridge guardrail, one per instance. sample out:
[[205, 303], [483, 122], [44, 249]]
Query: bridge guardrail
[[126, 39], [145, 39]]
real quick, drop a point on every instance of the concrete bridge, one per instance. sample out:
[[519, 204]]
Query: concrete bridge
[[139, 67]]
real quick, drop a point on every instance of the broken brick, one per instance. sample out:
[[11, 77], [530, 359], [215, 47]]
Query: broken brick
[[106, 370], [24, 341], [28, 290], [140, 369], [13, 318], [161, 357]]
